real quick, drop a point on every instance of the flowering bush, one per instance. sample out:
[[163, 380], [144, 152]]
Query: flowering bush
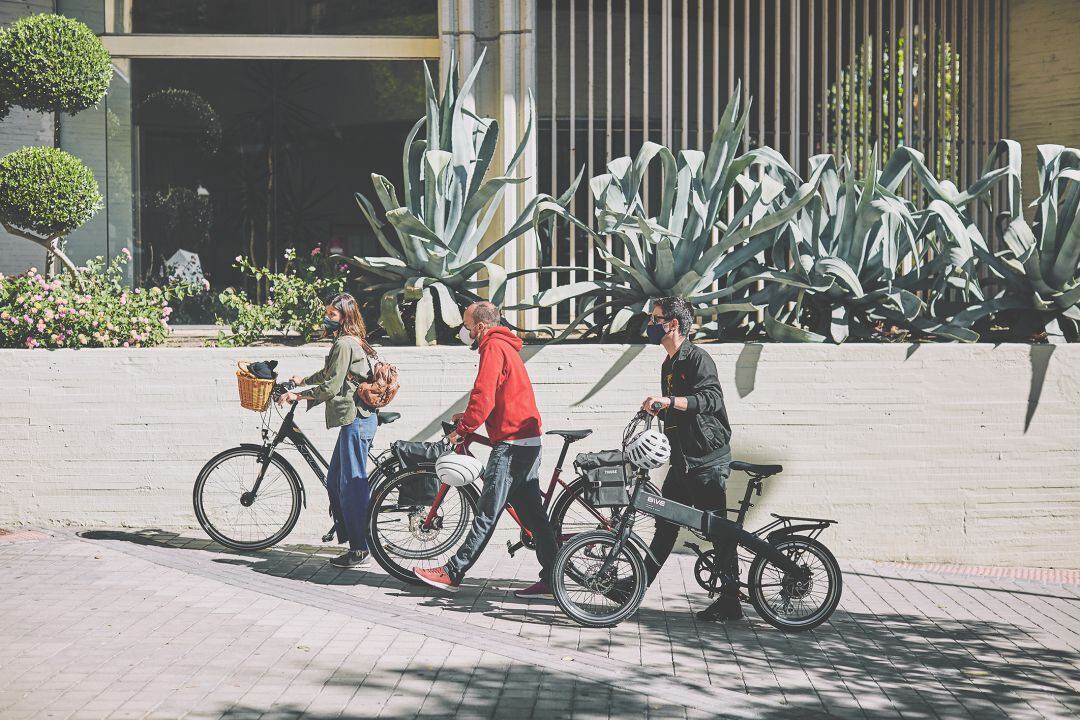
[[295, 302], [41, 312]]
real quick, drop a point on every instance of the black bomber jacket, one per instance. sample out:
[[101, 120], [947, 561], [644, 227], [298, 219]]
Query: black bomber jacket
[[701, 434]]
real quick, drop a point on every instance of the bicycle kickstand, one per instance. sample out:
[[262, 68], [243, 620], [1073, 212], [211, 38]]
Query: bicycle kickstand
[[329, 536]]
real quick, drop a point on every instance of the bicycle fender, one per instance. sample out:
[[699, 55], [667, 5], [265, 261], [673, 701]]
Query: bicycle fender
[[262, 450], [795, 529], [643, 546]]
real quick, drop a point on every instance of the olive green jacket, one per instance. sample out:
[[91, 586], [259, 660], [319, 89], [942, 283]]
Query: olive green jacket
[[334, 386]]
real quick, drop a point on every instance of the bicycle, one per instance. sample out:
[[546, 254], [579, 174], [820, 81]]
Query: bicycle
[[794, 582], [408, 530], [249, 497]]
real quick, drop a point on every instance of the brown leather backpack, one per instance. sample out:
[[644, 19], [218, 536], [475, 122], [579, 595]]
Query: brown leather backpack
[[383, 386]]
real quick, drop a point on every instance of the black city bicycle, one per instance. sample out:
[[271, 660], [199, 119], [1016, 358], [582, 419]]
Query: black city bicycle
[[794, 582], [249, 497]]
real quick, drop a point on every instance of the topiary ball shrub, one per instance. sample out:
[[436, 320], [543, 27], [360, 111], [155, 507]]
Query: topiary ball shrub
[[52, 63], [46, 191]]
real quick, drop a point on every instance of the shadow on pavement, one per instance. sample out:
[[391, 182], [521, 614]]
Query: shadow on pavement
[[918, 665], [311, 564]]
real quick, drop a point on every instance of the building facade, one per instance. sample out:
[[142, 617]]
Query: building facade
[[244, 127]]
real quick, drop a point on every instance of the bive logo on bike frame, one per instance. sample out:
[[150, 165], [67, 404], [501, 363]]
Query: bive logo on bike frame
[[656, 501]]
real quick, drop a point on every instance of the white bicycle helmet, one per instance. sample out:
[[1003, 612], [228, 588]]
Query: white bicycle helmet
[[457, 470], [648, 449]]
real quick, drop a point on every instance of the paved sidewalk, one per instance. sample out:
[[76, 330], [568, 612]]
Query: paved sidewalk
[[124, 624]]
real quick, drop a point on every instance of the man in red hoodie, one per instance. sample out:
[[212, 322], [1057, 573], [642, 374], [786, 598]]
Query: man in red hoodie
[[502, 400]]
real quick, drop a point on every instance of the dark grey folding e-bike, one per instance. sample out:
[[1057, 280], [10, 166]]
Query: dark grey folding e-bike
[[794, 582]]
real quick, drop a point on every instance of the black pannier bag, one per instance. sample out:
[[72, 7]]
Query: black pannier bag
[[422, 489], [605, 478]]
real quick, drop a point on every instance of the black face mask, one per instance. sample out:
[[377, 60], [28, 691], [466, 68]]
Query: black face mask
[[331, 326]]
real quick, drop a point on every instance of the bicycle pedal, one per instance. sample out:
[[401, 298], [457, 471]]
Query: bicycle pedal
[[513, 548], [328, 537]]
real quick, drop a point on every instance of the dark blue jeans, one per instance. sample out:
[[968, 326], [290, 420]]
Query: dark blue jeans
[[512, 475], [347, 481]]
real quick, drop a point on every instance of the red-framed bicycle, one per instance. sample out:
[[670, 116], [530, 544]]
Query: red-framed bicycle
[[416, 521]]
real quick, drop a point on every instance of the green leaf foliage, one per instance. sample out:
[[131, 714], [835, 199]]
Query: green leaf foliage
[[433, 229], [46, 191], [52, 63]]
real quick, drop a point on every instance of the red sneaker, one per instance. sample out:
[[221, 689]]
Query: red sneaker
[[436, 577]]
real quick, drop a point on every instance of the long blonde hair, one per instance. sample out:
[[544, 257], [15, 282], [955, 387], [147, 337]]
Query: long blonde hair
[[352, 322]]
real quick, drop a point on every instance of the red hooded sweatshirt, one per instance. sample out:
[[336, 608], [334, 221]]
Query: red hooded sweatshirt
[[502, 396]]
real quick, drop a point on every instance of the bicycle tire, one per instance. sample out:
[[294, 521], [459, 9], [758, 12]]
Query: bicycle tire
[[832, 596], [384, 508], [576, 489], [223, 536], [564, 567]]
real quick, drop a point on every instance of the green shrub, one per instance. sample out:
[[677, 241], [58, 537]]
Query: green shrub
[[46, 191], [52, 63], [41, 312], [296, 299]]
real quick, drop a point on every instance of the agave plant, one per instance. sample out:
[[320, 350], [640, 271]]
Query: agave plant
[[432, 234], [1039, 271], [672, 252], [857, 251]]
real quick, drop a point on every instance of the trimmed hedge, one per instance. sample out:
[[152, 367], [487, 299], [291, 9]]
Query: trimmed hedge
[[52, 63], [46, 191]]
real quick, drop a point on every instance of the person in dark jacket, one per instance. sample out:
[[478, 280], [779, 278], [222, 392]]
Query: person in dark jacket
[[696, 423]]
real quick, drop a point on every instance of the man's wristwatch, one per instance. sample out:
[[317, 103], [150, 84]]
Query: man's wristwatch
[[671, 401]]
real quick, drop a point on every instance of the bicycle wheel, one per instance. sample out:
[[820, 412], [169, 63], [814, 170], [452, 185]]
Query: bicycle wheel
[[228, 512], [590, 595], [396, 536], [571, 514], [796, 604]]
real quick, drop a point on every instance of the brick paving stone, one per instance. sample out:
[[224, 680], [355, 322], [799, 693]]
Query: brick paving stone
[[150, 624]]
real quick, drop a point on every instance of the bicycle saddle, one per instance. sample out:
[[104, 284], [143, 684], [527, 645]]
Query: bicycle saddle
[[570, 435], [759, 470], [385, 418]]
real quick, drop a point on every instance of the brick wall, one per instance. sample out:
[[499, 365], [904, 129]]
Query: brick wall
[[945, 453]]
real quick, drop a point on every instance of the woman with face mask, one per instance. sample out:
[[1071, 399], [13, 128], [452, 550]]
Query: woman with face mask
[[347, 364]]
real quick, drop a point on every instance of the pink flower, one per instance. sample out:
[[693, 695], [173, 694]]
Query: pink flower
[[94, 323], [126, 252], [123, 299], [343, 267], [40, 326], [126, 344], [316, 251], [49, 314], [205, 284]]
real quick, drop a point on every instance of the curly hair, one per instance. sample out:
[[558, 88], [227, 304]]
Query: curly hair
[[677, 308]]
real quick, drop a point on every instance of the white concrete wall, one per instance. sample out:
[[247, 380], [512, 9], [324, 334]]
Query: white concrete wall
[[949, 453]]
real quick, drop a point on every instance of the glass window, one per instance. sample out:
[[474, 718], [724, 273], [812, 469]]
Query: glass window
[[257, 17], [242, 157]]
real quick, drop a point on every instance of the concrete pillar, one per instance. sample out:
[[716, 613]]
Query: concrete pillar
[[506, 30]]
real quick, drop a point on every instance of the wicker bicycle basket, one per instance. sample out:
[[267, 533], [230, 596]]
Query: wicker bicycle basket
[[254, 392]]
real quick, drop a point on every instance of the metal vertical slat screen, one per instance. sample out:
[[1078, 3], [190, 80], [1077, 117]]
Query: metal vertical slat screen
[[823, 76]]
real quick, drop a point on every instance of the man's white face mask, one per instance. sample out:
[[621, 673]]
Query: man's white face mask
[[464, 335]]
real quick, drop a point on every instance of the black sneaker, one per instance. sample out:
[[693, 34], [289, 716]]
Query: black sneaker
[[723, 609], [353, 558]]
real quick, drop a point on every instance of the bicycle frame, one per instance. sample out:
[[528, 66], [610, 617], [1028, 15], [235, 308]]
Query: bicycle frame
[[548, 496], [291, 432]]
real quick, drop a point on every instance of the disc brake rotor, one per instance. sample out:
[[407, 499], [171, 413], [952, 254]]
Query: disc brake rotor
[[416, 526]]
